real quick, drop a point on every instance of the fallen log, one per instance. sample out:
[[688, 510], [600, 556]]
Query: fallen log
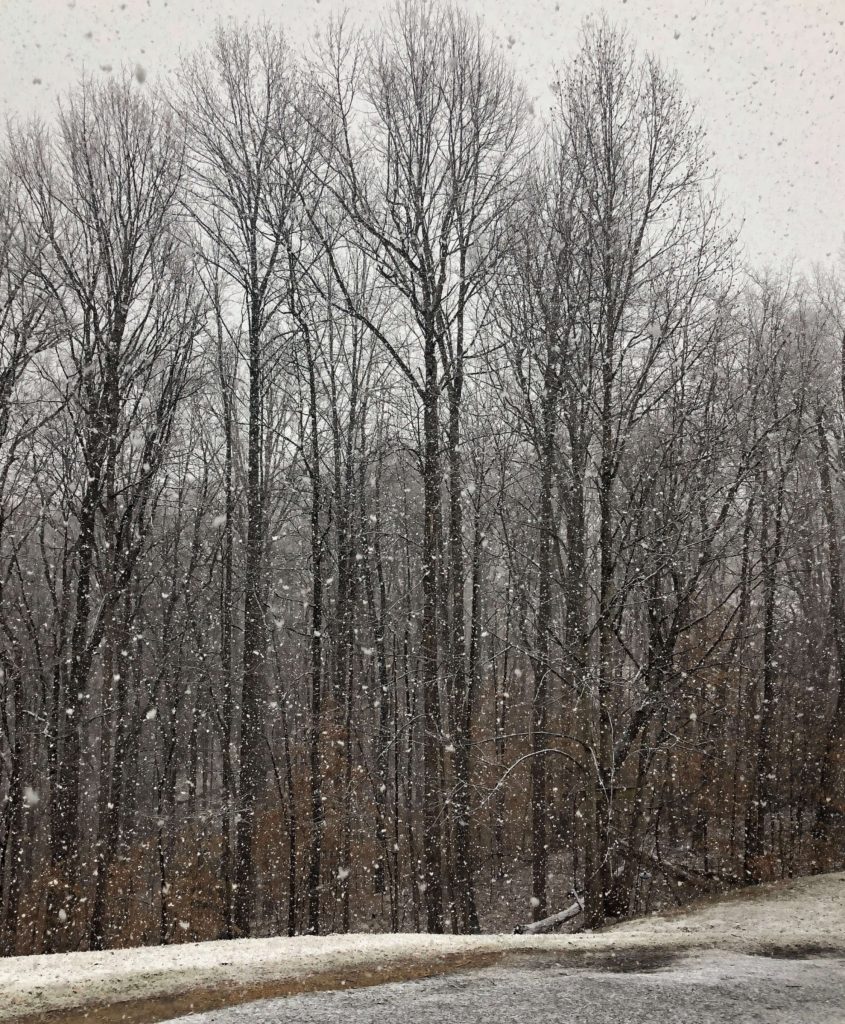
[[692, 875], [550, 924]]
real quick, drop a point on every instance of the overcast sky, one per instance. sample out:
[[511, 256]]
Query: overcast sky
[[768, 77]]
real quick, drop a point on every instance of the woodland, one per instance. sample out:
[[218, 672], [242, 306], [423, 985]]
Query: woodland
[[416, 513]]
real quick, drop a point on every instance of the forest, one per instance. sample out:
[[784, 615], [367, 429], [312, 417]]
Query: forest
[[415, 511]]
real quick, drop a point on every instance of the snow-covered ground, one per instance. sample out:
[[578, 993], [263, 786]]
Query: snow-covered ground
[[803, 916]]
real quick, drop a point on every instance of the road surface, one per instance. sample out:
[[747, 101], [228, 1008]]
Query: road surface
[[649, 988]]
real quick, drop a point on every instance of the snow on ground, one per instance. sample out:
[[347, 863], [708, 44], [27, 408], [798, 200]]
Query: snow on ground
[[803, 914]]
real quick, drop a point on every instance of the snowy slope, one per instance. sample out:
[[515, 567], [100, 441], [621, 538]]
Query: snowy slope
[[805, 913]]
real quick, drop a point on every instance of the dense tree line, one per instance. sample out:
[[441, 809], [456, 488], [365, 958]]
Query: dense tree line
[[414, 513]]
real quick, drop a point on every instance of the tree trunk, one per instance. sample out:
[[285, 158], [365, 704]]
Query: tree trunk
[[830, 809], [250, 758], [432, 729]]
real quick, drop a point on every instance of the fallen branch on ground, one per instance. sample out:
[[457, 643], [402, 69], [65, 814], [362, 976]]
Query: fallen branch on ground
[[550, 924], [694, 876]]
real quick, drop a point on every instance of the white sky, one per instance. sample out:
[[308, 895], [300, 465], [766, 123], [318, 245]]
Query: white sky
[[768, 77]]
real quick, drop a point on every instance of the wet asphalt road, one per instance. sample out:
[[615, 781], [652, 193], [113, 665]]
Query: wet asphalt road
[[707, 988]]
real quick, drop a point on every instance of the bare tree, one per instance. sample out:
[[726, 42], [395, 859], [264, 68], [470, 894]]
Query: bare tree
[[424, 178], [249, 152], [104, 191]]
